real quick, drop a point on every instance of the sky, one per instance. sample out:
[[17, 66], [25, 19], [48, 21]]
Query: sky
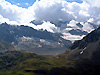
[[24, 11], [27, 3], [22, 3]]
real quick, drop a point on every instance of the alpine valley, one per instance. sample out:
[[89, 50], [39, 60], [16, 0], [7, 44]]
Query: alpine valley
[[49, 37], [81, 58], [43, 41]]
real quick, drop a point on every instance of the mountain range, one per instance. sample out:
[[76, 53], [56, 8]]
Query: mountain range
[[70, 30], [26, 38], [81, 58], [49, 37]]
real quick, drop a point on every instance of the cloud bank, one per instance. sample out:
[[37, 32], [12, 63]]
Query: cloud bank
[[51, 10], [13, 13]]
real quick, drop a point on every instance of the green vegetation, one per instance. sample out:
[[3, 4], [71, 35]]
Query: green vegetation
[[4, 46], [23, 63]]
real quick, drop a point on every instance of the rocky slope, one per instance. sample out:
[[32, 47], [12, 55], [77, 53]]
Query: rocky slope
[[42, 41], [29, 39], [88, 47]]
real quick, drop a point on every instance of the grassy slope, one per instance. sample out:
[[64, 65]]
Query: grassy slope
[[22, 63], [4, 46]]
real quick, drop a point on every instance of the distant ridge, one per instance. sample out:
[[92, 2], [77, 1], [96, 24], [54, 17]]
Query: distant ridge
[[32, 40]]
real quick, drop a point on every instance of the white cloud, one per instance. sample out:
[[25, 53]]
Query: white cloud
[[2, 20], [72, 24], [15, 13], [51, 10], [18, 3], [71, 37], [98, 22], [84, 13], [26, 4], [90, 20], [94, 2], [46, 26], [87, 27]]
